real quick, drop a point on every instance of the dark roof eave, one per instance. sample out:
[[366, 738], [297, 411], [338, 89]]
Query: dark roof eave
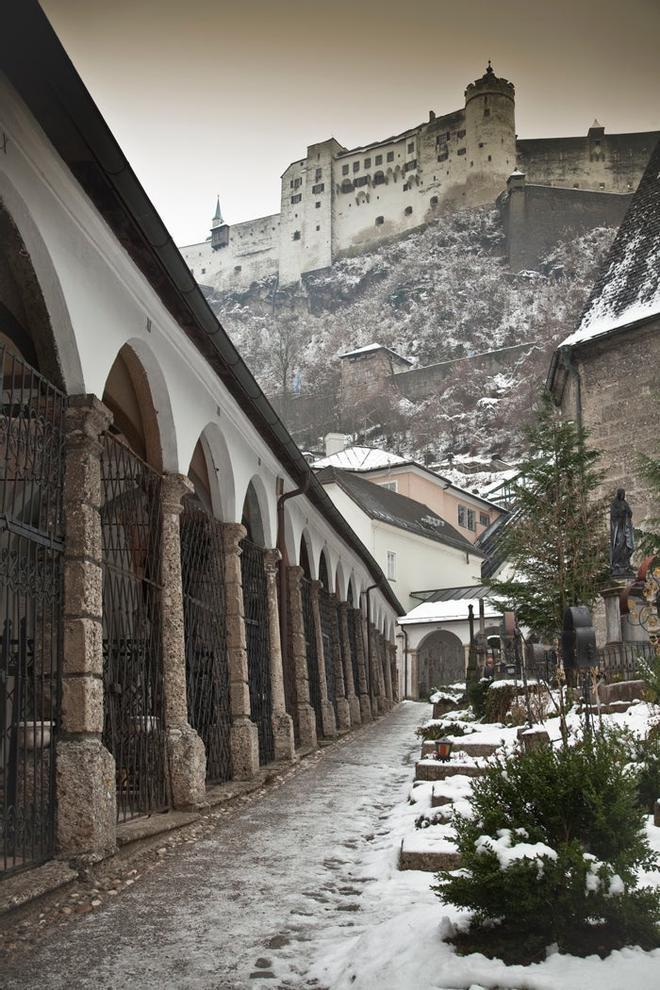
[[56, 96]]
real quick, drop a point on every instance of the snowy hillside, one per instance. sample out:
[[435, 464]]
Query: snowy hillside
[[441, 293]]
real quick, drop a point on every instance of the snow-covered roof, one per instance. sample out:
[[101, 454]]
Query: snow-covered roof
[[452, 611], [628, 287], [374, 347], [360, 459]]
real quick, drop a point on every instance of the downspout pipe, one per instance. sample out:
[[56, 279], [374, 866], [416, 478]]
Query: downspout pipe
[[405, 661], [367, 592], [283, 565]]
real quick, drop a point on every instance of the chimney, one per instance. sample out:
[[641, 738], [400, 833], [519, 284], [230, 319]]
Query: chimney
[[334, 442]]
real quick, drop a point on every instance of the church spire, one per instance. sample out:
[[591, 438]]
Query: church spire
[[217, 216]]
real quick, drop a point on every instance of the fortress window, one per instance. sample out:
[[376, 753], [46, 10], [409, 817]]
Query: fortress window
[[296, 198], [378, 160], [406, 187], [317, 204], [347, 186], [434, 200], [238, 268], [460, 134], [296, 235], [318, 227], [487, 112], [408, 210], [203, 271], [490, 158], [344, 170], [411, 146], [367, 163], [601, 185], [356, 166], [318, 188], [319, 173], [443, 157], [448, 135], [379, 221], [361, 180], [481, 144], [379, 178], [410, 165], [390, 156], [461, 151]]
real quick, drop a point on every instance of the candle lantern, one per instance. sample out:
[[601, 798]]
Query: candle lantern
[[443, 749]]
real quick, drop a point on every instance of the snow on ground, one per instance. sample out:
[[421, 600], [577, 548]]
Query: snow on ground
[[406, 949]]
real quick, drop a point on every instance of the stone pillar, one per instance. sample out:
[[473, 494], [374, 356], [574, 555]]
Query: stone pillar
[[349, 683], [85, 783], [328, 720], [383, 700], [305, 714], [363, 694], [185, 749], [611, 596], [244, 739], [341, 701], [387, 659], [280, 719]]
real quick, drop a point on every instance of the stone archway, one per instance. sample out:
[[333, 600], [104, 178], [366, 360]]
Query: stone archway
[[441, 660]]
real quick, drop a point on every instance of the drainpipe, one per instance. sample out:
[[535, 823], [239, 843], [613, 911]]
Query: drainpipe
[[284, 562], [405, 661]]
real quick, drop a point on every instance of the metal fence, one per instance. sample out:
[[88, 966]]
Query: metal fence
[[31, 559], [330, 634], [134, 729], [258, 645], [625, 661], [312, 653], [207, 668]]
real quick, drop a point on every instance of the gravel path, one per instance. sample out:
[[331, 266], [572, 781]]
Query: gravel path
[[250, 904]]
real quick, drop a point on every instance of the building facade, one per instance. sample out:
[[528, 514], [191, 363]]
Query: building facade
[[181, 603], [337, 201]]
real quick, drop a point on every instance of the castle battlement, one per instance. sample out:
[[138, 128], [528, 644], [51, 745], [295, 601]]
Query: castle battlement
[[338, 201]]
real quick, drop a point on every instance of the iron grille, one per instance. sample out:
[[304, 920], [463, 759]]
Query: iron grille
[[31, 556], [312, 653], [207, 669], [255, 606], [352, 640], [134, 725], [330, 642]]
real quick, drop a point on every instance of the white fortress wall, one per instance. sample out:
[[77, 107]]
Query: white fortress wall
[[251, 252]]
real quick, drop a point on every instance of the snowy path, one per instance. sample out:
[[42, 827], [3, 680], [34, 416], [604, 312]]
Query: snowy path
[[278, 883]]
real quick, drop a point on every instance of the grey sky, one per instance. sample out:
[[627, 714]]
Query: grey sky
[[212, 96]]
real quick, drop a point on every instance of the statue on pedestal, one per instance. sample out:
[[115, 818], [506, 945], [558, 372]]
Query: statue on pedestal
[[622, 537]]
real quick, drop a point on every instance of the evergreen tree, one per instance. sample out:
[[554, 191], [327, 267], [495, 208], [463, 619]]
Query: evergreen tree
[[649, 537], [556, 539]]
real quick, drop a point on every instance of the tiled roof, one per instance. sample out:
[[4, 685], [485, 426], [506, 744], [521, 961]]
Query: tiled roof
[[397, 510], [628, 287]]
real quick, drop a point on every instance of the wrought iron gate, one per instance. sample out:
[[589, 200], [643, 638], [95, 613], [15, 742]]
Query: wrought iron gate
[[134, 727], [258, 645], [352, 640], [207, 669], [312, 653], [31, 556], [329, 632]]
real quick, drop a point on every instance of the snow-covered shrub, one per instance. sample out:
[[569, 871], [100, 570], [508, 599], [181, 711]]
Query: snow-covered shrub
[[477, 697], [647, 758], [437, 730], [552, 850]]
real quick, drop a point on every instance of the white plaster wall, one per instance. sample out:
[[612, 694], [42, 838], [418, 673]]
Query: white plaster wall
[[98, 300], [252, 253]]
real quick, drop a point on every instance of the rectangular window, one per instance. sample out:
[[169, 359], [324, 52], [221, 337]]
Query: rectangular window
[[461, 151], [361, 180], [472, 520], [390, 485], [391, 565], [410, 165], [296, 198], [411, 146], [317, 204], [344, 170], [356, 166], [390, 156], [462, 512], [460, 134], [296, 235], [319, 173], [378, 159], [484, 519], [318, 188], [367, 163]]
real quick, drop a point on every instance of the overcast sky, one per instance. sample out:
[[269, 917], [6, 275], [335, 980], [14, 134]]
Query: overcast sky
[[212, 96]]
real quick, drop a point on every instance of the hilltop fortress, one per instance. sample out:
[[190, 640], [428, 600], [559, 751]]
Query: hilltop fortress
[[338, 201]]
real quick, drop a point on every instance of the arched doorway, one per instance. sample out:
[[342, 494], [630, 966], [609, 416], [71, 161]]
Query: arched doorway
[[309, 626], [257, 634], [441, 659], [329, 629], [204, 611], [32, 412], [134, 723]]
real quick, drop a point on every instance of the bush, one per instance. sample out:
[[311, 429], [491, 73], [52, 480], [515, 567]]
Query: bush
[[647, 757], [552, 850], [477, 693], [441, 729]]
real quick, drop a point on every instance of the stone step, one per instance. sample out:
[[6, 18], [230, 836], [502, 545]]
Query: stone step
[[441, 708], [470, 748], [435, 770], [428, 860], [612, 708]]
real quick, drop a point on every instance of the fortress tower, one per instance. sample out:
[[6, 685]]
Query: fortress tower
[[490, 135]]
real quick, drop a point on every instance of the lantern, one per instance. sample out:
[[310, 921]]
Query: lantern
[[443, 749]]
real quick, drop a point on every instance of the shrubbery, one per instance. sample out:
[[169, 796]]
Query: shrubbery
[[441, 729], [647, 757], [550, 854]]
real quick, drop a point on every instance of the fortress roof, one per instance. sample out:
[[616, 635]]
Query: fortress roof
[[628, 288]]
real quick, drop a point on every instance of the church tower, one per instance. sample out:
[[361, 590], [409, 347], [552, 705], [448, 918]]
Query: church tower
[[219, 229], [490, 135]]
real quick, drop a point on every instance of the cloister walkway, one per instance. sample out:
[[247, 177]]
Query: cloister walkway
[[253, 903]]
